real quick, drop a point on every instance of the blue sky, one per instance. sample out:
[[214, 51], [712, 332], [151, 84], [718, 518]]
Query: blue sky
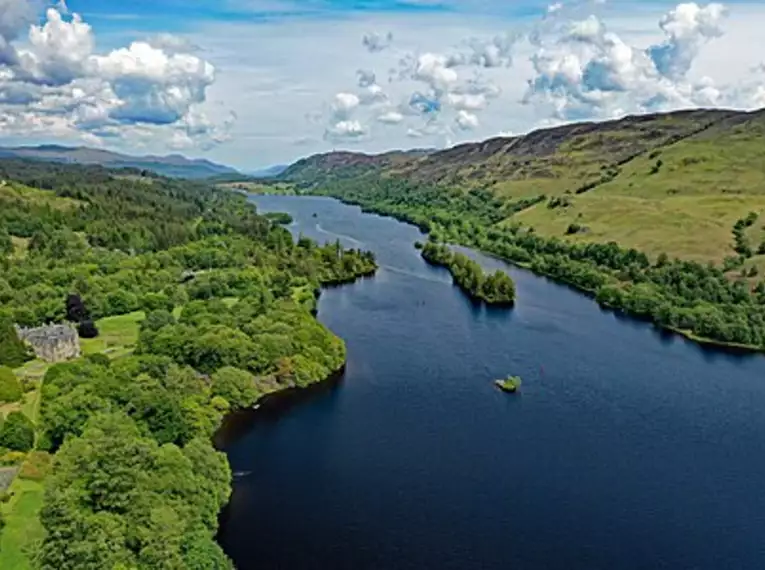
[[259, 82]]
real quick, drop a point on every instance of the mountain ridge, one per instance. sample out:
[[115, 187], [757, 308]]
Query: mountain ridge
[[172, 165], [653, 182]]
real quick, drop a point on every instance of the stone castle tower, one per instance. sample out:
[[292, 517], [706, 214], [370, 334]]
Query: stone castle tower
[[52, 343]]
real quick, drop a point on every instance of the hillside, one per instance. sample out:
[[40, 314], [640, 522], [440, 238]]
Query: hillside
[[174, 165], [657, 183]]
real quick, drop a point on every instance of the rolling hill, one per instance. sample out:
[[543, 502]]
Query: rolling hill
[[672, 183], [175, 165]]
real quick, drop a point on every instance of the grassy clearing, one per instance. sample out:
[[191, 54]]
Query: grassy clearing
[[16, 191], [673, 224], [23, 528], [117, 335], [20, 247], [682, 199], [30, 403]]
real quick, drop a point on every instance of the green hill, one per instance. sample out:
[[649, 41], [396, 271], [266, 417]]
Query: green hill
[[653, 182], [657, 215]]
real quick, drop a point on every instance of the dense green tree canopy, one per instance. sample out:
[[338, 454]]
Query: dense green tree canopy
[[228, 297], [17, 432], [495, 289]]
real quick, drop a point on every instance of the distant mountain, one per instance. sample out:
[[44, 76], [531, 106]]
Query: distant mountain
[[174, 165], [269, 172]]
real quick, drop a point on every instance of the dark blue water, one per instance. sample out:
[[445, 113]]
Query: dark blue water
[[627, 448]]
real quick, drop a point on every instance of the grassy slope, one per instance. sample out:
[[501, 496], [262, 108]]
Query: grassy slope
[[713, 173], [33, 196], [687, 208]]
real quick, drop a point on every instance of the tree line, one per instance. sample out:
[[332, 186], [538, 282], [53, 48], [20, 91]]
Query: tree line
[[700, 300]]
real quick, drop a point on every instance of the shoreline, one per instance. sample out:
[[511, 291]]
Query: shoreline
[[688, 335]]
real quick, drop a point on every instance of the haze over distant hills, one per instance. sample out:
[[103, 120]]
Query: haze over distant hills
[[174, 165]]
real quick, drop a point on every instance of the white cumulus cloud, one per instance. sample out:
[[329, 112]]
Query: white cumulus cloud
[[466, 121], [55, 82]]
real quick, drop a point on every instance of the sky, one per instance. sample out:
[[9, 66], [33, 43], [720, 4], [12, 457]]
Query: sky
[[253, 83]]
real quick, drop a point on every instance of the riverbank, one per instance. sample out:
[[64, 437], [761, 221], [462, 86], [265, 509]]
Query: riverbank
[[377, 471], [590, 291], [119, 337]]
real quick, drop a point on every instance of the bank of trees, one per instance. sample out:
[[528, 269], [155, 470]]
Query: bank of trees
[[494, 289], [699, 299], [135, 481]]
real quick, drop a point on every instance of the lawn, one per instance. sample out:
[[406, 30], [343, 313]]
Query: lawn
[[117, 335], [22, 524]]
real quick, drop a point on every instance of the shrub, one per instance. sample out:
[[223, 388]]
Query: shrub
[[99, 359], [17, 433], [10, 387], [37, 466], [87, 329], [28, 384], [12, 458]]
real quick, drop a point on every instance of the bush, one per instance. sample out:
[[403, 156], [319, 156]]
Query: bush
[[17, 433], [12, 458], [37, 466], [87, 329], [10, 387], [236, 386], [28, 384], [99, 359], [75, 309]]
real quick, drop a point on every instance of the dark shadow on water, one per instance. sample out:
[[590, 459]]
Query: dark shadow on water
[[271, 408]]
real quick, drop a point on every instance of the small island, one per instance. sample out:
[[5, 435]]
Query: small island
[[511, 384], [493, 289]]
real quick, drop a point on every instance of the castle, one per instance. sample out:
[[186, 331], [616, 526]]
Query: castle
[[52, 343]]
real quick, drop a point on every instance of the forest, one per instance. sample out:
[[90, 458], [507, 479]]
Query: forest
[[121, 441], [494, 289], [703, 301]]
